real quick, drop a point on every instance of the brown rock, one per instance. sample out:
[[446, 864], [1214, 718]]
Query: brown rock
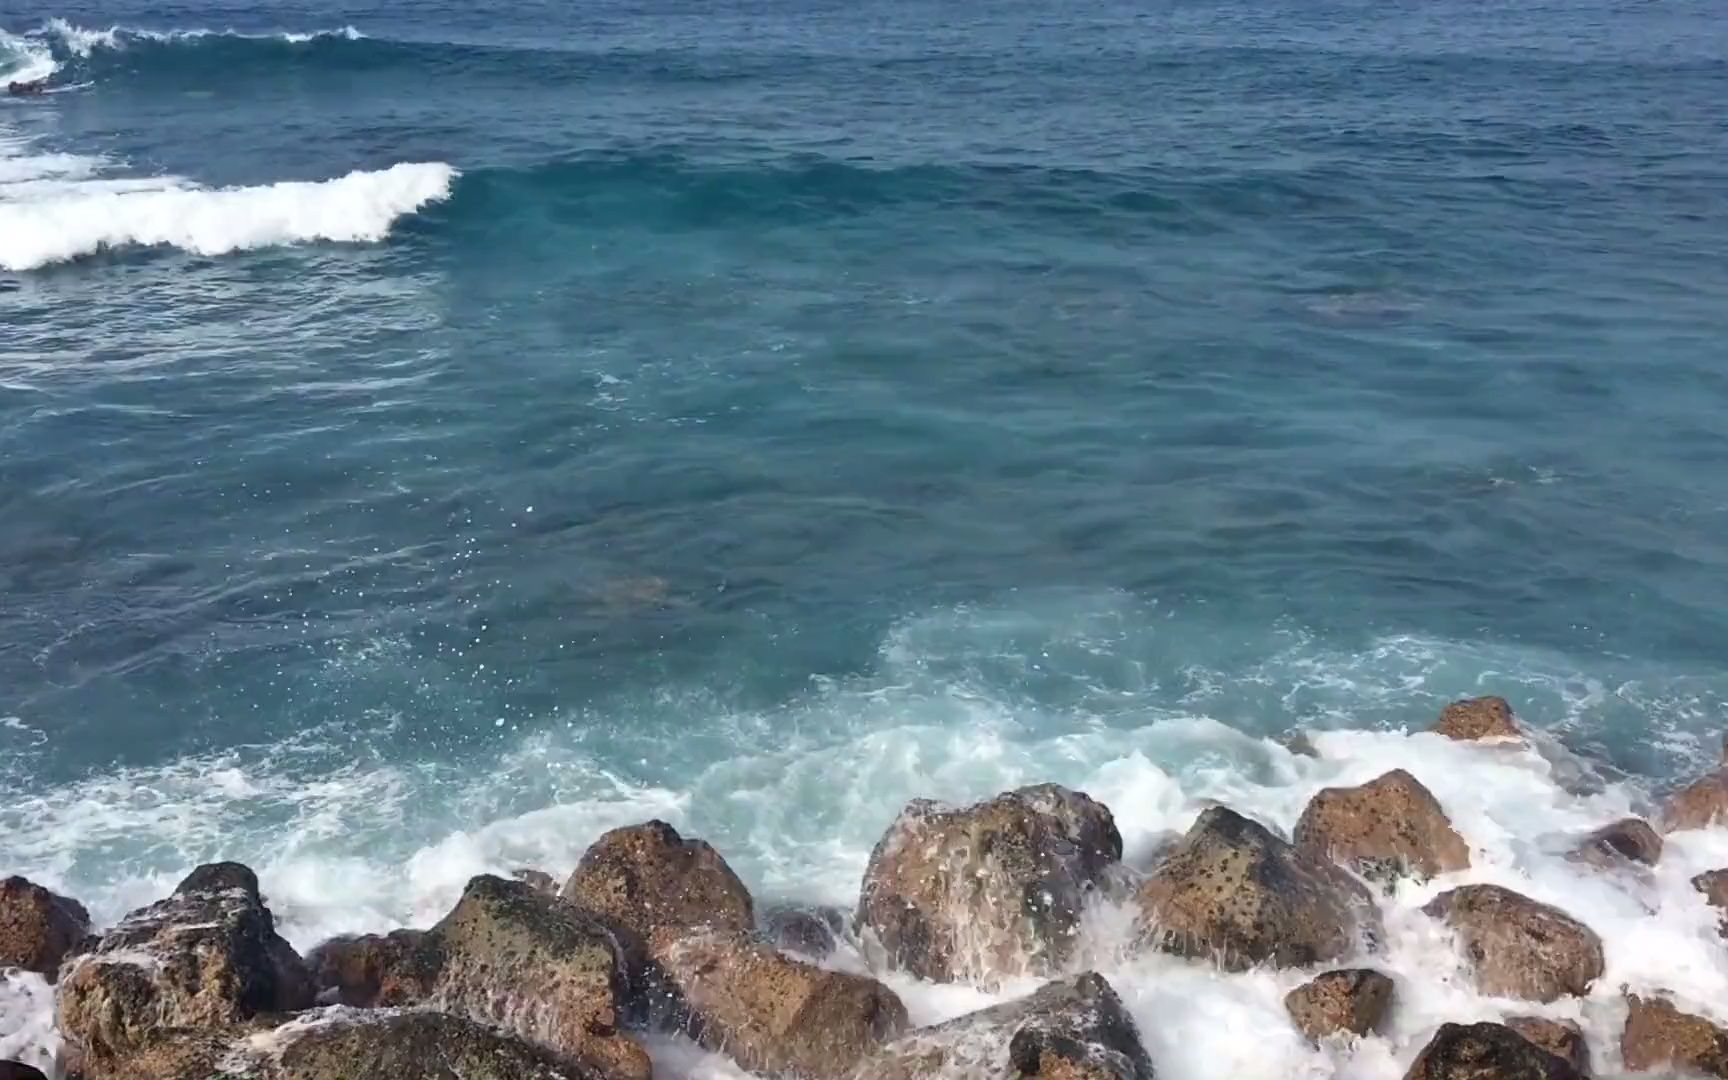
[[538, 880], [1698, 805], [1075, 1029], [37, 927], [1352, 1001], [1486, 1052], [205, 958], [1658, 1035], [373, 970], [770, 1012], [1562, 1038], [1630, 840], [1234, 892], [541, 968], [17, 1070], [1383, 829], [647, 876], [1477, 718], [397, 1045], [1519, 947], [1714, 885], [989, 890]]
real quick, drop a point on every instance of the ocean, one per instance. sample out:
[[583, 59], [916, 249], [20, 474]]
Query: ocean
[[433, 433]]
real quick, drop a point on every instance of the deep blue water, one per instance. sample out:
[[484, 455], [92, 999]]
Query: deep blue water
[[788, 382]]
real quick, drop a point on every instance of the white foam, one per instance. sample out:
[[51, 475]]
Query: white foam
[[82, 41], [24, 60], [27, 1031], [55, 224]]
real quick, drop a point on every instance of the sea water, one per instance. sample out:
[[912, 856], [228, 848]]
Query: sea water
[[432, 434]]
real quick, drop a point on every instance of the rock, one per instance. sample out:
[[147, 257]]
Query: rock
[[340, 1044], [1300, 744], [1479, 718], [647, 876], [1351, 1001], [374, 970], [989, 890], [1698, 805], [538, 880], [1657, 1035], [17, 1070], [812, 932], [205, 958], [1075, 1029], [221, 877], [37, 927], [1234, 892], [541, 968], [1714, 885], [1562, 1038], [770, 1012], [1383, 829], [1486, 1052], [1519, 947], [1628, 840]]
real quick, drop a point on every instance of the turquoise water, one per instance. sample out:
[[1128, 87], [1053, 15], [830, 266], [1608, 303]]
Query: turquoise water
[[758, 414]]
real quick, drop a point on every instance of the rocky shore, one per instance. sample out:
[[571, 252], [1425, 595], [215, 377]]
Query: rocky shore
[[654, 934]]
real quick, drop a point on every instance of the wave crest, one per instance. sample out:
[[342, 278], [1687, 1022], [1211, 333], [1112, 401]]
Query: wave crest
[[81, 41]]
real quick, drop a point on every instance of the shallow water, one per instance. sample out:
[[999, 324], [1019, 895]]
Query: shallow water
[[431, 434]]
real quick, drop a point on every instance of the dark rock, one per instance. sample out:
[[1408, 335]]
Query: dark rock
[[990, 890], [647, 876], [1352, 1001], [1474, 719], [375, 970], [1714, 885], [1486, 1052], [220, 877], [1383, 829], [1518, 946], [1658, 1035], [1629, 840], [1075, 1029], [199, 960], [538, 880], [37, 927], [17, 1070], [770, 1012], [541, 968], [398, 1045], [806, 931], [1234, 892], [1301, 744], [1562, 1038]]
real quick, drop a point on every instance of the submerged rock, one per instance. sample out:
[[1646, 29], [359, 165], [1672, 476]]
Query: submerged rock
[[1562, 1038], [1233, 892], [207, 957], [1714, 885], [1352, 1001], [647, 876], [1630, 840], [1474, 719], [1699, 804], [1075, 1029], [1658, 1035], [374, 970], [770, 1012], [541, 968], [38, 927], [538, 880], [1486, 1052], [1384, 829], [1520, 947], [989, 890], [812, 932]]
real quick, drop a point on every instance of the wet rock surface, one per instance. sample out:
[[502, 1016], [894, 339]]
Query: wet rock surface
[[1353, 1001], [1475, 719], [376, 970], [1486, 1052], [1660, 1036], [1234, 892], [38, 927], [1562, 1038], [648, 876], [1389, 827], [1625, 842], [990, 890], [1517, 946]]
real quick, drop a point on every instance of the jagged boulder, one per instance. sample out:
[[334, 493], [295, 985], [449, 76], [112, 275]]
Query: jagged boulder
[[208, 957], [1562, 1038], [647, 876], [1701, 803], [541, 968], [1352, 1001], [38, 927], [376, 970], [990, 890], [1474, 719], [1520, 947], [811, 932], [1384, 829], [1075, 1029], [1234, 892], [1486, 1052], [770, 1012], [1630, 840], [1659, 1035]]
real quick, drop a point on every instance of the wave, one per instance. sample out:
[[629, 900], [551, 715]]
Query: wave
[[82, 41], [25, 60], [55, 222]]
